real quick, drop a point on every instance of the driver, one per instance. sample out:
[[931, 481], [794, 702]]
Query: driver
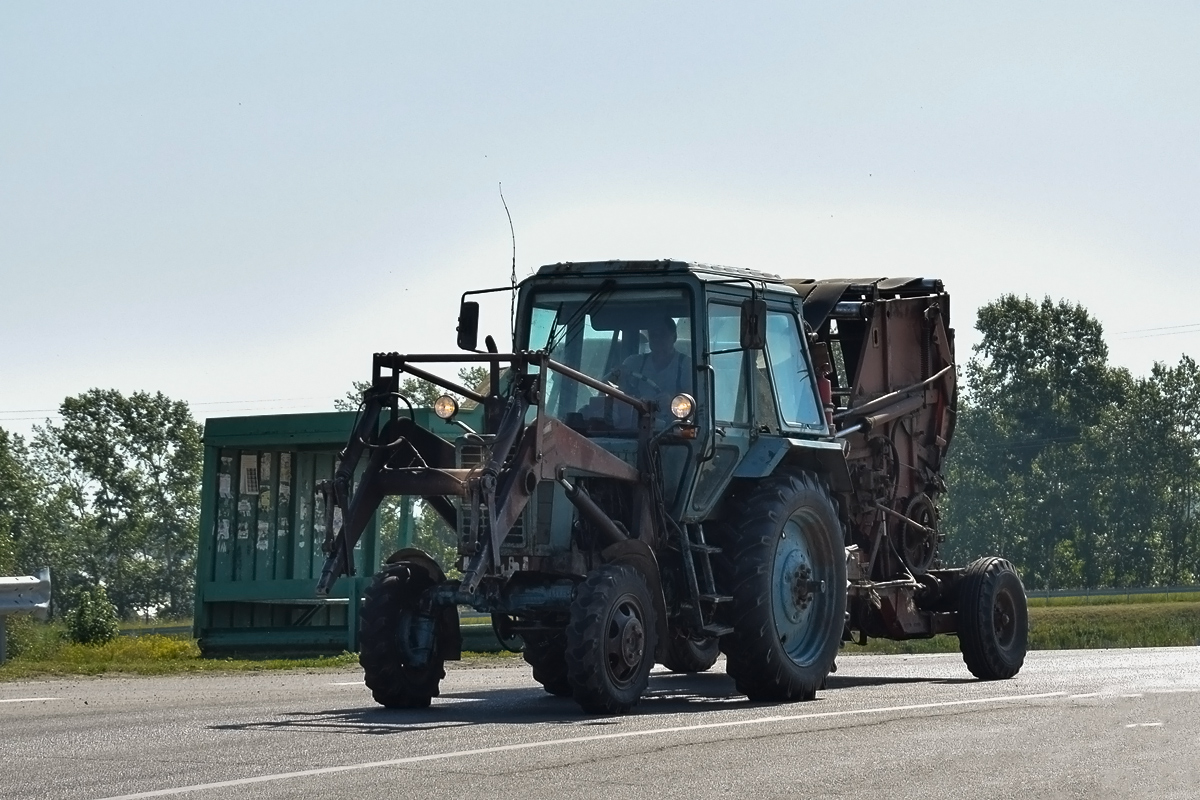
[[659, 374]]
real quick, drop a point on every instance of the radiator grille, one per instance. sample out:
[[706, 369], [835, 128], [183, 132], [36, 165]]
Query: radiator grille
[[469, 455]]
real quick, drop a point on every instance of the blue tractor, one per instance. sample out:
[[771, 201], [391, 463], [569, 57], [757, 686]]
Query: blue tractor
[[676, 461]]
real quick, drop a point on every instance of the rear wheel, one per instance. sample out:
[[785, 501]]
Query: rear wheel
[[993, 619], [389, 621], [685, 654], [786, 563], [547, 654], [611, 640]]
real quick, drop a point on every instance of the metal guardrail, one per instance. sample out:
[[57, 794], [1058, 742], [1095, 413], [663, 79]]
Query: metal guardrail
[[23, 594]]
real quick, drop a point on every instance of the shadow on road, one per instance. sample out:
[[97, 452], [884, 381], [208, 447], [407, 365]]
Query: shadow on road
[[667, 694]]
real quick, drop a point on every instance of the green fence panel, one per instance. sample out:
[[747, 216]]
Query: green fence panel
[[261, 527]]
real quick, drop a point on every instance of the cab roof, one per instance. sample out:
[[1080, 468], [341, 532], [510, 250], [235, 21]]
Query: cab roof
[[818, 296], [803, 286], [660, 267]]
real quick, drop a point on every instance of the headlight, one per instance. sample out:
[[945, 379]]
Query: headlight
[[445, 406], [682, 406]]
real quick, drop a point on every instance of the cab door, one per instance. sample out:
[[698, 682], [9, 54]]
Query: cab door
[[796, 398], [729, 402]]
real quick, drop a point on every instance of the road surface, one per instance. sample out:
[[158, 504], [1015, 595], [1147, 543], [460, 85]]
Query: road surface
[[1076, 724]]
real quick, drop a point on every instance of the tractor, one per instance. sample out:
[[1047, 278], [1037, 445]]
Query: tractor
[[677, 460]]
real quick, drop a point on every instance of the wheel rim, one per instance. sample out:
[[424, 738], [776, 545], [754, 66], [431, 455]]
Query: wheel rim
[[625, 640], [1004, 619], [802, 593]]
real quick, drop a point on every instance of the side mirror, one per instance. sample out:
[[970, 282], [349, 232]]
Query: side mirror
[[468, 325], [754, 324], [820, 358]]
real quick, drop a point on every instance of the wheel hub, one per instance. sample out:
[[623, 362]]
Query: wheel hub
[[1003, 619], [801, 585], [801, 589], [633, 642]]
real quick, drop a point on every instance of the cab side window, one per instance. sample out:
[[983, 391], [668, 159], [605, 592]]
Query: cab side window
[[729, 373], [793, 381]]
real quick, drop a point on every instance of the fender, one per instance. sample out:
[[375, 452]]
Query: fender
[[825, 458], [637, 554], [450, 640]]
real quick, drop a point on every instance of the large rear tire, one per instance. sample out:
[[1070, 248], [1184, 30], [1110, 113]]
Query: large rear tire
[[993, 619], [547, 654], [388, 615], [785, 561], [611, 640]]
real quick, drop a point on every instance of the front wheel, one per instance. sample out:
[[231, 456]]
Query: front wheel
[[993, 619], [611, 640], [389, 621], [786, 565]]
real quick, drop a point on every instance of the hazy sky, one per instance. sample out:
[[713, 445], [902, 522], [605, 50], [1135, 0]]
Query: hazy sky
[[237, 203]]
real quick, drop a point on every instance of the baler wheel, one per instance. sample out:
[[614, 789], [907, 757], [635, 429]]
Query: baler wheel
[[993, 619], [389, 609], [611, 640]]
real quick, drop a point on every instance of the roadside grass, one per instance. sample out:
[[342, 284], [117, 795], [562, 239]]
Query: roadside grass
[[1081, 627], [1175, 624], [1114, 599], [153, 654], [43, 650]]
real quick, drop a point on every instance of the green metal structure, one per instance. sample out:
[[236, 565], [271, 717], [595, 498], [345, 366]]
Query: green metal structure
[[262, 522]]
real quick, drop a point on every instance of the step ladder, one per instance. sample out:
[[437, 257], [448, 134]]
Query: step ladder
[[702, 585]]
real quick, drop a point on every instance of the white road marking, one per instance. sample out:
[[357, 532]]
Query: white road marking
[[348, 683], [1144, 725], [1082, 696], [507, 748], [27, 699], [1131, 696]]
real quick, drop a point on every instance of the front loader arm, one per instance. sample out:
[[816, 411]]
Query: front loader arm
[[405, 459]]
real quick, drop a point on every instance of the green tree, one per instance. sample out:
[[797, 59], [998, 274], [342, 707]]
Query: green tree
[[430, 532], [1143, 473], [32, 530], [16, 500], [126, 472], [420, 393], [1036, 383], [93, 620]]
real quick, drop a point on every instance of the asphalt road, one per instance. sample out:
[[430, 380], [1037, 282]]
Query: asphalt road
[[1079, 724]]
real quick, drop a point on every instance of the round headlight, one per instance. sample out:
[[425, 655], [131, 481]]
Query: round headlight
[[682, 406], [445, 406]]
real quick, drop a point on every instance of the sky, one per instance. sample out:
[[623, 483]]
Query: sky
[[238, 203]]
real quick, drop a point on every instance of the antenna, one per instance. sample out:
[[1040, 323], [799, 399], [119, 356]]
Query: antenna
[[512, 307]]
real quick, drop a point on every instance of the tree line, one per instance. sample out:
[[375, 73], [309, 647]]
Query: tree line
[[107, 496], [1080, 473]]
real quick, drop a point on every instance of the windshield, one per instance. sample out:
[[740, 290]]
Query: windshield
[[640, 340]]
